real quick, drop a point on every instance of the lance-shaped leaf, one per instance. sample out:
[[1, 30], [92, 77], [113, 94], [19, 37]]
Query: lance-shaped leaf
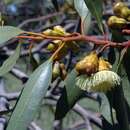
[[8, 32], [95, 7], [71, 94], [31, 97], [10, 62], [84, 13], [105, 108]]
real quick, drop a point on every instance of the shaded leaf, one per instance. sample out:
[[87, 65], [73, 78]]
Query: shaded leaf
[[125, 74], [84, 13], [55, 3], [70, 2], [71, 94], [8, 32], [90, 104], [124, 50], [96, 9], [105, 108], [10, 62], [119, 102], [32, 94]]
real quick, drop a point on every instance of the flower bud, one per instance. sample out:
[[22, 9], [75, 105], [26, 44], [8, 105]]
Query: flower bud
[[51, 47], [47, 32], [104, 65], [118, 7], [116, 22], [56, 70], [59, 30], [125, 12], [101, 81], [88, 65]]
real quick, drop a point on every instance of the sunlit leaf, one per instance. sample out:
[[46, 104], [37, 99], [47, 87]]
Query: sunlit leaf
[[31, 97], [84, 13]]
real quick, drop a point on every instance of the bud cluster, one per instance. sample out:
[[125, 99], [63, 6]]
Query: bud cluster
[[91, 64], [95, 74], [121, 18], [55, 44]]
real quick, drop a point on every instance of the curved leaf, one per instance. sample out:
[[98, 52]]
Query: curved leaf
[[32, 94], [95, 7], [8, 32], [71, 94], [10, 62], [84, 13]]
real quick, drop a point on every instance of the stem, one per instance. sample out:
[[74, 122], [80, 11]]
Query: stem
[[75, 37], [57, 51], [30, 37]]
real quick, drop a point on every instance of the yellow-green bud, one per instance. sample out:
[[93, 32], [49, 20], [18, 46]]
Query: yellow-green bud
[[59, 30], [88, 65], [116, 22], [56, 70], [118, 7], [104, 65], [51, 47], [47, 32]]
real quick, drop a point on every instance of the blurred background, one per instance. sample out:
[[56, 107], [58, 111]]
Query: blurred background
[[37, 16]]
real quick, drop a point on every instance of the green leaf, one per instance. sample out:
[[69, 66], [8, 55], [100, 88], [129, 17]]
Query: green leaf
[[10, 62], [125, 75], [71, 94], [8, 32], [95, 7], [105, 108], [31, 97], [124, 50], [84, 13], [90, 104]]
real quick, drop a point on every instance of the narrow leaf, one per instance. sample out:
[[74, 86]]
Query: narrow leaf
[[105, 108], [95, 7], [31, 97], [71, 94], [10, 62], [124, 50], [84, 13], [8, 32]]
